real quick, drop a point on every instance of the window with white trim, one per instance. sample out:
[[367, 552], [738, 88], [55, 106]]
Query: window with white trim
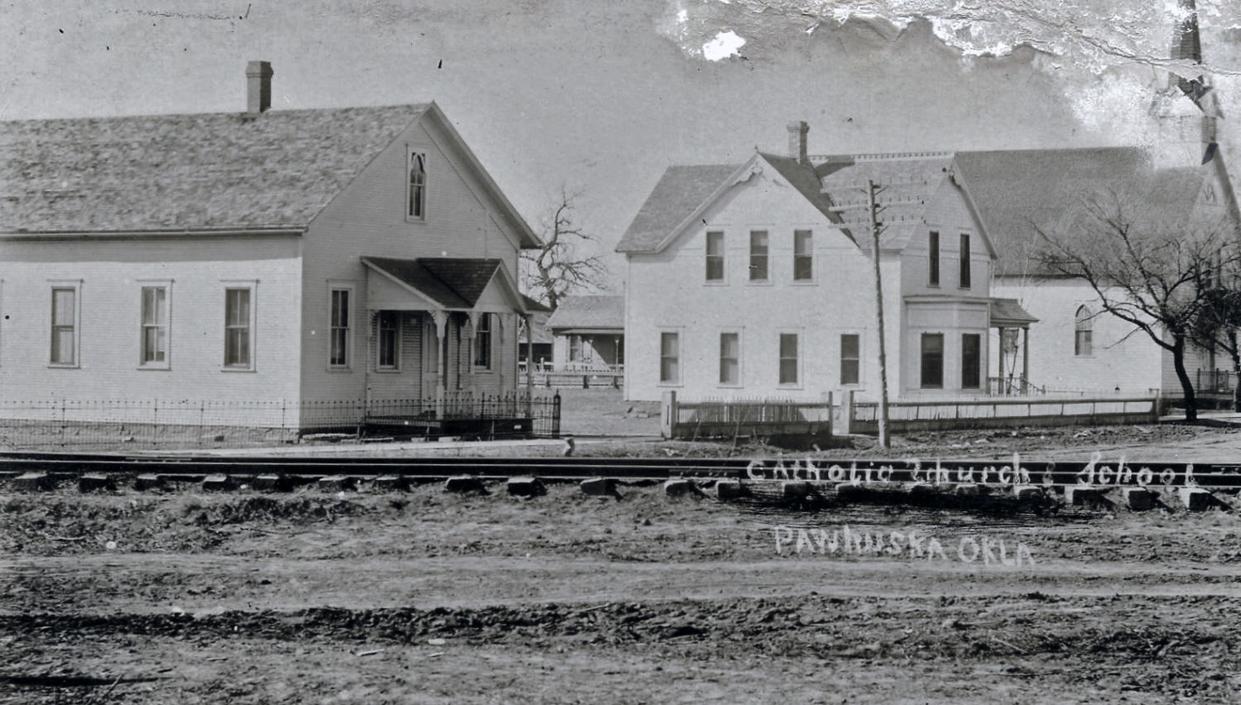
[[932, 360], [1083, 332], [803, 255], [482, 342], [154, 342], [64, 344], [789, 367], [389, 341], [964, 254], [669, 358], [715, 256], [730, 358], [239, 328], [416, 201], [850, 358], [340, 328], [758, 255]]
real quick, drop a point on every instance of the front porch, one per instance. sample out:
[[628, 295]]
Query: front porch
[[442, 341], [1013, 323]]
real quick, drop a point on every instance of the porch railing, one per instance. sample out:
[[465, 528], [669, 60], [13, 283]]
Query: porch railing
[[1012, 386], [1216, 381]]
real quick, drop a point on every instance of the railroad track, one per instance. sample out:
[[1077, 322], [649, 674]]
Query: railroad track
[[1095, 473]]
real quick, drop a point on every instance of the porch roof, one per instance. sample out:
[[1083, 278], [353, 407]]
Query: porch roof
[[450, 283], [1007, 313]]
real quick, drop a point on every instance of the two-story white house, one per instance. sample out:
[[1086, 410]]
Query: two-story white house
[[278, 257], [755, 280]]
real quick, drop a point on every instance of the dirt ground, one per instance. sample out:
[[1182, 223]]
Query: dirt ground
[[424, 597]]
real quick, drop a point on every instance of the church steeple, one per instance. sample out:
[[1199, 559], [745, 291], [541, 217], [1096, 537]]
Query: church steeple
[[1186, 110]]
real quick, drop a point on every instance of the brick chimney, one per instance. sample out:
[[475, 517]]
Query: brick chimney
[[797, 141], [258, 87]]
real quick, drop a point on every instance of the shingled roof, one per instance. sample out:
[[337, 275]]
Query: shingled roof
[[451, 282], [909, 181], [213, 171], [683, 189], [679, 192], [1019, 192], [589, 311]]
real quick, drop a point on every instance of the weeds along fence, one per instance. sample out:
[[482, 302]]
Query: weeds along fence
[[158, 423], [744, 418], [1003, 412]]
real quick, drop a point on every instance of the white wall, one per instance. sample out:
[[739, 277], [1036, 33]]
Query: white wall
[[668, 292], [1122, 359], [111, 274], [368, 219]]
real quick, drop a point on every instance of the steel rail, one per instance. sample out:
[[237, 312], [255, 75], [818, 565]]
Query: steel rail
[[1095, 473]]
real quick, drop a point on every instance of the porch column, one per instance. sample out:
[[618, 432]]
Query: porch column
[[1025, 359], [441, 377], [471, 325], [1001, 389], [529, 352]]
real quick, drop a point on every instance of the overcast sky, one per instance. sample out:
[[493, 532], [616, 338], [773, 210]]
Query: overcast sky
[[602, 95]]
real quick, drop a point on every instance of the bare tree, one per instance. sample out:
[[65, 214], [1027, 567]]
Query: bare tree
[[1146, 268], [558, 267]]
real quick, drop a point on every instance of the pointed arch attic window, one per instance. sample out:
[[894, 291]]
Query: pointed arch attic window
[[1083, 332], [417, 206]]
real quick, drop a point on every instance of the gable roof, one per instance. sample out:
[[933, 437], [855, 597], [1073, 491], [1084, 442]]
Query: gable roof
[[451, 282], [198, 172], [1018, 192], [678, 193], [211, 171], [908, 180], [590, 311], [832, 181], [805, 179]]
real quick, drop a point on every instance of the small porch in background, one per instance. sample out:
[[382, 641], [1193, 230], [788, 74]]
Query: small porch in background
[[441, 349], [1013, 323], [589, 339]]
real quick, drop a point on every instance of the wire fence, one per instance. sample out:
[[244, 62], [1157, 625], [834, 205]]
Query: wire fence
[[159, 423]]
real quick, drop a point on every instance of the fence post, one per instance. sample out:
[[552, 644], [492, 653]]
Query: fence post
[[556, 415], [155, 422], [668, 414], [1156, 406], [846, 413]]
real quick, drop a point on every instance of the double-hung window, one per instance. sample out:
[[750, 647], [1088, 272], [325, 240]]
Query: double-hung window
[[155, 324], [64, 348], [715, 256], [803, 255], [482, 342], [389, 343], [340, 329], [238, 328], [669, 358], [788, 359], [758, 255], [730, 358], [850, 358], [932, 247]]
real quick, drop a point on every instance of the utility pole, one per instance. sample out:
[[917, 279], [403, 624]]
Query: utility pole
[[872, 211]]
